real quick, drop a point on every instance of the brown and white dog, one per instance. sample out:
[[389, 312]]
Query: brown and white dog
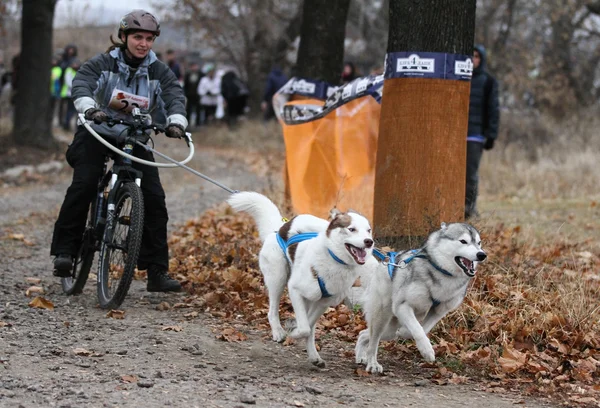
[[319, 271]]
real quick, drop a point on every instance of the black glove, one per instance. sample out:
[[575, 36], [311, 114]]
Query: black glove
[[175, 131], [96, 115], [489, 144]]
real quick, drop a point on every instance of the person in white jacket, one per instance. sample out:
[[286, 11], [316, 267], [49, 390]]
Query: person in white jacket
[[209, 90]]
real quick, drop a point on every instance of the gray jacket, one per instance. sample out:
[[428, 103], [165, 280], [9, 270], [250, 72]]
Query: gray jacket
[[96, 81]]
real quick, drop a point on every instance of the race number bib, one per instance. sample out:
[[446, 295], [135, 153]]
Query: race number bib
[[125, 102]]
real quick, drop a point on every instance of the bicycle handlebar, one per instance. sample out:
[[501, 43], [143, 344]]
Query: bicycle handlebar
[[156, 128]]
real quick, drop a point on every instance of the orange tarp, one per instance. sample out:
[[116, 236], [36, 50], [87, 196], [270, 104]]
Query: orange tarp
[[331, 161]]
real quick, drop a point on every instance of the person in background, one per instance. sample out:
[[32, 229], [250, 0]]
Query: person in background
[[484, 117], [209, 89], [275, 80], [348, 73], [104, 87], [190, 85], [69, 75], [55, 76], [235, 92], [69, 55], [174, 65]]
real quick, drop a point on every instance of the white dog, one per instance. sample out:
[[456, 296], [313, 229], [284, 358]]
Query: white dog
[[323, 267], [411, 291]]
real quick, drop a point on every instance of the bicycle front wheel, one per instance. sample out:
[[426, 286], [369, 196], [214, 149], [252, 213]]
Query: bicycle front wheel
[[82, 263], [120, 246]]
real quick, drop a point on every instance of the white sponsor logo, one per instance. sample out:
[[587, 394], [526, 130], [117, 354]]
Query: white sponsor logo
[[415, 64], [347, 91], [331, 90], [303, 86], [463, 67], [362, 85]]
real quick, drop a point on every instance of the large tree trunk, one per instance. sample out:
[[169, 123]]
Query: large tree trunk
[[321, 50], [421, 157], [32, 124]]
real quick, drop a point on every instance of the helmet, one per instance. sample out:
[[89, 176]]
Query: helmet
[[139, 20]]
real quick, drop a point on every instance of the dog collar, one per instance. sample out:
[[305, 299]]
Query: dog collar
[[335, 258], [416, 254]]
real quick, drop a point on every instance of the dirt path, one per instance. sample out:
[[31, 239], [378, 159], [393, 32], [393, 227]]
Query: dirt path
[[74, 356]]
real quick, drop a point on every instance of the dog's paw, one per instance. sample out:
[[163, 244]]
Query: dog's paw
[[279, 335], [319, 362], [299, 333], [374, 368], [428, 354]]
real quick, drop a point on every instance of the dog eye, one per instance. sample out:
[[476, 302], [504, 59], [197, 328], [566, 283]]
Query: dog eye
[[369, 230], [352, 229], [462, 241]]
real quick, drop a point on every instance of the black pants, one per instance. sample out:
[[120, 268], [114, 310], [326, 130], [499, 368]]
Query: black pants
[[86, 155], [193, 106], [474, 153]]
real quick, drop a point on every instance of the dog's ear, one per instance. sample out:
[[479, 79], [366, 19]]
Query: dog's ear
[[444, 227], [334, 212]]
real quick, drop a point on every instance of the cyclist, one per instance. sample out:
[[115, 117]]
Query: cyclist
[[127, 75]]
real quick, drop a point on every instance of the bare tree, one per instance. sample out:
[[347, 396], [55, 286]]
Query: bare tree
[[321, 51], [32, 123]]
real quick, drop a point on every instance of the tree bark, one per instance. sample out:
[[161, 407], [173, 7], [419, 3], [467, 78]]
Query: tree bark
[[420, 172], [321, 50], [32, 124]]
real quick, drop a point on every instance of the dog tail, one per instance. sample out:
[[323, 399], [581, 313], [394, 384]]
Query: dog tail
[[265, 213]]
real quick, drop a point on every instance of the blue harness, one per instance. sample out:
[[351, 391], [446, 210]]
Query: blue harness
[[303, 237], [391, 264]]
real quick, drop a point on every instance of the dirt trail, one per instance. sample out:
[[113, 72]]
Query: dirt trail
[[74, 356]]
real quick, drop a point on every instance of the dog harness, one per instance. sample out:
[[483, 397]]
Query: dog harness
[[296, 239], [391, 265]]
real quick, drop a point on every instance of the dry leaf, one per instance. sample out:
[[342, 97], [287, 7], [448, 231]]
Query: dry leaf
[[232, 335], [191, 315], [298, 404], [163, 306], [33, 281], [361, 372], [129, 378], [4, 324], [41, 303], [81, 352], [34, 289], [172, 328], [116, 314]]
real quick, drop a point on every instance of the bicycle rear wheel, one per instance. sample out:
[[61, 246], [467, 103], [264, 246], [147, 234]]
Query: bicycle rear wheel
[[120, 246], [82, 263]]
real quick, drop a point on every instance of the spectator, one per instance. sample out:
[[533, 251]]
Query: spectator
[[235, 92], [14, 78], [348, 73], [190, 86], [209, 90], [484, 117], [55, 88], [174, 65], [69, 55], [275, 80], [69, 75]]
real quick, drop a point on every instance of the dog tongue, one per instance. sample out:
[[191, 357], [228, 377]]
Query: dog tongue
[[360, 254], [468, 263]]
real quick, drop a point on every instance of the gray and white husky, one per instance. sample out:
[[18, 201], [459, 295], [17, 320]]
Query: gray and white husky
[[409, 292], [319, 272]]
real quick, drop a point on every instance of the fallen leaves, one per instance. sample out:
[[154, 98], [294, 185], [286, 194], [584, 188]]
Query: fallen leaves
[[232, 335], [172, 328], [129, 379], [34, 290], [115, 314], [41, 303]]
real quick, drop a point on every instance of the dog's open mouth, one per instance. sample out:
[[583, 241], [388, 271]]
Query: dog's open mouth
[[359, 254], [466, 265]]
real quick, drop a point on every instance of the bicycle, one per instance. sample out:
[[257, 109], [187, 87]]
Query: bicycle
[[116, 217]]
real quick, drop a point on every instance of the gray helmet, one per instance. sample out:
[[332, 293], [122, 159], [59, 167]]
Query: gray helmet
[[139, 20]]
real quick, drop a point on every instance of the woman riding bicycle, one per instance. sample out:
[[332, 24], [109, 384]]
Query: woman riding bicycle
[[128, 75]]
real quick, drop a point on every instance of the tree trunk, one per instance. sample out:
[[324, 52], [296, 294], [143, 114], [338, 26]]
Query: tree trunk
[[321, 50], [32, 124], [421, 157]]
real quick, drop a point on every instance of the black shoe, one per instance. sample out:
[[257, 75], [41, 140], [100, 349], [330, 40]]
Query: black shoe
[[63, 264], [160, 281]]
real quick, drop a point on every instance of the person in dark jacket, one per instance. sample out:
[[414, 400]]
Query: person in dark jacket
[[275, 80], [107, 85], [348, 73], [190, 85], [68, 57], [484, 117], [235, 92]]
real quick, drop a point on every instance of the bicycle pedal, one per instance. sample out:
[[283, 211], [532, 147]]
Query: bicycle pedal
[[125, 220]]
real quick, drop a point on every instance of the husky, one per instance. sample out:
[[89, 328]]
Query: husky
[[319, 271], [409, 292]]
